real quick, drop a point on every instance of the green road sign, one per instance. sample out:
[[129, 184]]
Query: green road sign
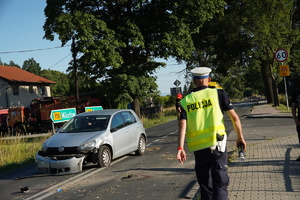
[[62, 115], [93, 108]]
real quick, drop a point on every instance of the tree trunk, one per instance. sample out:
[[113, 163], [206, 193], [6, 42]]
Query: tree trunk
[[271, 100], [267, 84], [136, 107], [270, 85], [275, 92], [273, 86]]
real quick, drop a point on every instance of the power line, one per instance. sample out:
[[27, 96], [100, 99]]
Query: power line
[[23, 51], [60, 61]]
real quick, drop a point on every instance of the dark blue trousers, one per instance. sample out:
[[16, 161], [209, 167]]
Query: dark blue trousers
[[211, 171]]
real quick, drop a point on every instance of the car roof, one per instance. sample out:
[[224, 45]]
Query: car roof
[[104, 112]]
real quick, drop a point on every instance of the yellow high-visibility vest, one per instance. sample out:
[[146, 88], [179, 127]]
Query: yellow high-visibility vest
[[204, 119]]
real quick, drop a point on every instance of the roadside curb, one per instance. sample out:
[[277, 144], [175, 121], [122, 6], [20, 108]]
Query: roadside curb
[[270, 116], [264, 110]]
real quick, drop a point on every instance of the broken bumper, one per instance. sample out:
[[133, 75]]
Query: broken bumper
[[67, 166]]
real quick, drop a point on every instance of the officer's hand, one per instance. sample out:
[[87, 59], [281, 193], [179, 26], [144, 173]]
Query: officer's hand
[[241, 142], [181, 156]]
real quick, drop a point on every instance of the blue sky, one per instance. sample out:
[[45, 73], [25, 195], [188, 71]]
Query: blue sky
[[21, 29]]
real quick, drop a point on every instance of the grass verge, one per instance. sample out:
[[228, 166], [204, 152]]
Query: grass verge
[[283, 109], [18, 151]]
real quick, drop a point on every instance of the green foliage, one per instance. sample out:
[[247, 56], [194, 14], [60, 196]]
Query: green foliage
[[11, 63], [62, 86], [165, 101], [282, 99], [249, 92], [118, 41], [170, 112], [240, 49], [161, 118], [269, 27], [32, 66]]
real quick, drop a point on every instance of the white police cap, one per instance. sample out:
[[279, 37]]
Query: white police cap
[[201, 72]]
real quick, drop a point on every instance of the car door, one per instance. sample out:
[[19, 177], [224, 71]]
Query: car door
[[132, 128], [120, 135]]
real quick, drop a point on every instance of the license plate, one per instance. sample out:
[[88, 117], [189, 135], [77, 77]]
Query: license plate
[[43, 164]]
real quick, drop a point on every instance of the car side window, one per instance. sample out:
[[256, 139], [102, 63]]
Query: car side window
[[128, 117], [117, 122]]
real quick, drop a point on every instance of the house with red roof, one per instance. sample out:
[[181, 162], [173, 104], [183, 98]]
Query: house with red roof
[[18, 87]]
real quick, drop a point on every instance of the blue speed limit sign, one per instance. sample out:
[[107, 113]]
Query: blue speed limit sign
[[281, 55]]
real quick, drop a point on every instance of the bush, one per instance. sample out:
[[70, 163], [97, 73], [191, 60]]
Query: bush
[[156, 119], [282, 99], [165, 101], [170, 112]]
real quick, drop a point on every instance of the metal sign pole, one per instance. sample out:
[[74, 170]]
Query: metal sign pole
[[53, 129], [286, 94], [281, 55]]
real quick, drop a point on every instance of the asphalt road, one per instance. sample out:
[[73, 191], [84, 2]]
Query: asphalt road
[[156, 175]]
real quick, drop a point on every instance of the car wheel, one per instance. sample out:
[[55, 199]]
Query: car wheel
[[46, 128], [104, 156], [19, 130], [141, 146]]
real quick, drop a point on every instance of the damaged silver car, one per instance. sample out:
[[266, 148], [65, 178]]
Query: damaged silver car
[[92, 138]]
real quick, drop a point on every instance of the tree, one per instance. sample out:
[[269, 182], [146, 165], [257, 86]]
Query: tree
[[32, 66], [275, 29], [12, 64], [222, 46], [240, 48], [62, 86], [118, 40]]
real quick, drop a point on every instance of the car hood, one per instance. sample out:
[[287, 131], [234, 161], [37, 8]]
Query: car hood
[[72, 139]]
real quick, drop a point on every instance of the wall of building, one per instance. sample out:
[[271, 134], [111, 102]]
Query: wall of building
[[3, 101], [24, 97]]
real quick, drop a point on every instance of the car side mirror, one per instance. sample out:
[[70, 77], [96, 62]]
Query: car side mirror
[[113, 129]]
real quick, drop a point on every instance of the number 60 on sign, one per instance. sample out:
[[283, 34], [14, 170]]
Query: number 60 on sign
[[281, 55]]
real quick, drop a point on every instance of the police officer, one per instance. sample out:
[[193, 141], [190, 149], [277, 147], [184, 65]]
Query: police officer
[[177, 104], [202, 125], [296, 113]]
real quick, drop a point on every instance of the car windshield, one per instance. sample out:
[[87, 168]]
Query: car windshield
[[86, 124]]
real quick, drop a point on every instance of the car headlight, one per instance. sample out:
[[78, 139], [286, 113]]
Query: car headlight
[[44, 147], [88, 146]]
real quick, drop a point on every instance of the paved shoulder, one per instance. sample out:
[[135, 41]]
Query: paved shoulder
[[269, 171], [264, 110]]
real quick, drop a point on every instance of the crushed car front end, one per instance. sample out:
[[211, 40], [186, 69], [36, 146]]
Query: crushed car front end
[[53, 166], [62, 160]]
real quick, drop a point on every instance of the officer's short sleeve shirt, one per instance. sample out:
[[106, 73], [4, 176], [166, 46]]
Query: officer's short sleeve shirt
[[224, 101], [296, 101]]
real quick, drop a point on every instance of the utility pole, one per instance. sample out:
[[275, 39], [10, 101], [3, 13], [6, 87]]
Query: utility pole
[[74, 55]]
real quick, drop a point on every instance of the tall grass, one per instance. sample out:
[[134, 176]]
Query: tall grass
[[18, 151]]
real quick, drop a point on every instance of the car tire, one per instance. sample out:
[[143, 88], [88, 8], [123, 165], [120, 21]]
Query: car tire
[[19, 130], [46, 128], [141, 146], [104, 156]]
